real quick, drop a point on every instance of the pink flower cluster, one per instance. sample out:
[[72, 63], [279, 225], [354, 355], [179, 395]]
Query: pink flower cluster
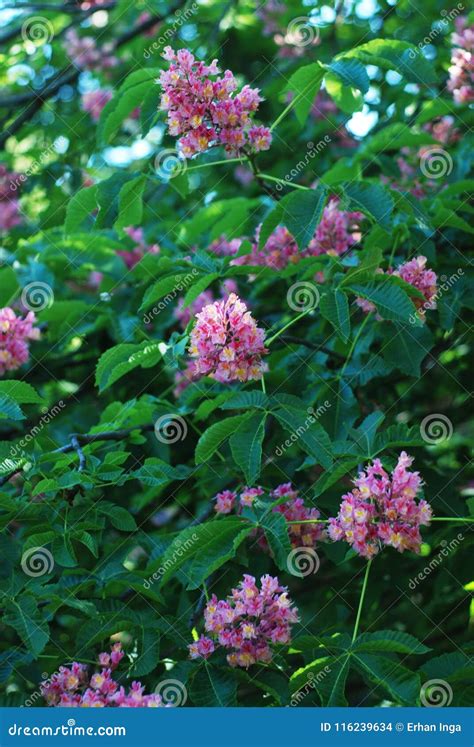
[[461, 71], [414, 272], [382, 510], [226, 342], [94, 101], [206, 112], [85, 54], [293, 509], [72, 687], [248, 622], [15, 334], [9, 203], [335, 234]]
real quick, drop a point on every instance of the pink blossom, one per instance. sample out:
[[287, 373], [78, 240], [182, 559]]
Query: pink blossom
[[72, 687], [248, 622], [226, 342], [461, 71], [94, 101], [15, 334], [382, 510], [204, 110], [131, 257], [85, 54]]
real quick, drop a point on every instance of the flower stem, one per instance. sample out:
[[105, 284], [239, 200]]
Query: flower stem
[[282, 181], [453, 518], [361, 600], [215, 163], [292, 321], [309, 521], [264, 390], [291, 105]]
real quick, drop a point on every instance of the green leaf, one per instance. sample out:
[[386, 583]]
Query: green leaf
[[394, 137], [332, 687], [391, 301], [389, 640], [193, 292], [334, 307], [20, 392], [406, 347], [300, 212], [338, 470], [203, 548], [312, 436], [129, 96], [276, 533], [371, 199], [400, 682], [80, 206], [352, 73], [393, 54], [9, 286], [213, 687], [10, 409], [347, 98], [24, 616], [246, 445], [255, 399], [167, 288], [130, 200], [305, 84], [121, 359], [214, 436]]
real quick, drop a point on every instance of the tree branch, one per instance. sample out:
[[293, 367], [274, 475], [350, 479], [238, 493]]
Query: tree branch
[[312, 346]]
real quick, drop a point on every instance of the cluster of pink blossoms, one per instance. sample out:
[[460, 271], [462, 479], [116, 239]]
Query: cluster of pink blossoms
[[335, 234], [382, 510], [414, 272], [15, 334], [248, 622], [206, 112], [184, 315], [73, 687], [9, 203], [293, 509], [226, 342], [85, 54], [461, 72]]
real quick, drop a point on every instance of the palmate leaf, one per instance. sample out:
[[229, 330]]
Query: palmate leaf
[[402, 684], [24, 616], [310, 434], [393, 54], [276, 533], [372, 199], [305, 84], [392, 302], [405, 347]]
